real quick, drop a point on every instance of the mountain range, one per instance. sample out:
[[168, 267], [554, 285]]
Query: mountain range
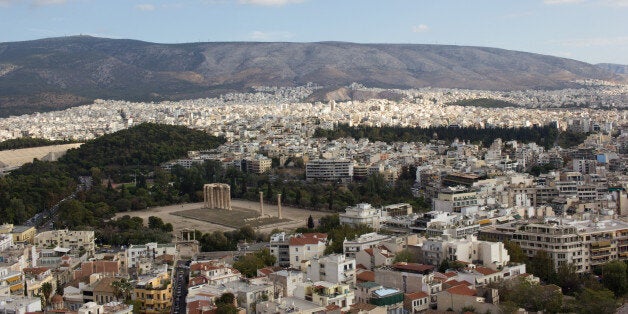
[[56, 73]]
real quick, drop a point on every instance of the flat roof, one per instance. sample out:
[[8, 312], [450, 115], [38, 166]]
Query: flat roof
[[386, 291]]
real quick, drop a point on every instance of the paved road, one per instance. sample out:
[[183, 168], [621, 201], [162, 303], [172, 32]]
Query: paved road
[[180, 287]]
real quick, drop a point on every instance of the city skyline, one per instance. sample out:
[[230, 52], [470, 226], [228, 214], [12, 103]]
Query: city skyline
[[593, 31]]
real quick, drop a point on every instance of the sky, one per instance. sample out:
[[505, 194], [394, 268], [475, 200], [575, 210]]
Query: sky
[[593, 31]]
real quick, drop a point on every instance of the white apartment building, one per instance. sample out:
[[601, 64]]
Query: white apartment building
[[375, 257], [334, 268], [258, 164], [19, 304], [291, 251], [214, 273], [77, 241], [365, 241], [326, 293], [6, 241], [490, 254], [363, 214], [583, 243], [329, 169], [149, 250], [453, 199]]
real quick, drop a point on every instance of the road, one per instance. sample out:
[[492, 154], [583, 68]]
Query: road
[[45, 219], [180, 287]]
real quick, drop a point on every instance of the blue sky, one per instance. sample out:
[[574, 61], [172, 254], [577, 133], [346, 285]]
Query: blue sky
[[588, 30]]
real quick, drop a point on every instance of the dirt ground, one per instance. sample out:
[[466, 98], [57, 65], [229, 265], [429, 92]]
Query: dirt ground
[[298, 217]]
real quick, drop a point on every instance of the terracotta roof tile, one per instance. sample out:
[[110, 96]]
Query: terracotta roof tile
[[416, 295], [413, 267], [462, 289], [485, 270], [366, 275]]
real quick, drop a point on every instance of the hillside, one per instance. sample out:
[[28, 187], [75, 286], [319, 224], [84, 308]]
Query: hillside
[[615, 68], [55, 73]]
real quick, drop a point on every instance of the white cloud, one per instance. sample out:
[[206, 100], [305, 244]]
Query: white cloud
[[421, 28], [6, 3], [270, 2], [615, 3], [145, 7], [559, 2], [270, 36], [33, 3]]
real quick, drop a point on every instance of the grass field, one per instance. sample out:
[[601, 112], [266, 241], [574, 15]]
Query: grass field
[[234, 218]]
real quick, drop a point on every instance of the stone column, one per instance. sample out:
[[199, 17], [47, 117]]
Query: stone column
[[228, 197], [261, 203], [210, 193], [205, 196], [221, 199], [279, 205]]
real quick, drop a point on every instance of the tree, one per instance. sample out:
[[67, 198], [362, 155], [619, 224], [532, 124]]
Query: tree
[[444, 266], [122, 289], [614, 277], [534, 297], [250, 263], [46, 289], [542, 266], [515, 252], [225, 298], [226, 309], [310, 222], [155, 222], [59, 289], [405, 256], [568, 279], [595, 301], [246, 233]]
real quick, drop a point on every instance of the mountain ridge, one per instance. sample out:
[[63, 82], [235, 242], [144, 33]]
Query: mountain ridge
[[56, 73]]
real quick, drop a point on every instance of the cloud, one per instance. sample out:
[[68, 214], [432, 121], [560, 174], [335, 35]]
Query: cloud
[[270, 36], [145, 7], [270, 2], [33, 3], [559, 2], [6, 3], [421, 28], [615, 3]]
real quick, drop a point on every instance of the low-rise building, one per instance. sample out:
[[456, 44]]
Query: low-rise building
[[149, 250], [368, 240], [462, 296], [79, 242], [363, 214], [334, 268], [35, 277], [19, 304], [22, 234], [153, 293], [416, 302], [326, 294], [291, 251]]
